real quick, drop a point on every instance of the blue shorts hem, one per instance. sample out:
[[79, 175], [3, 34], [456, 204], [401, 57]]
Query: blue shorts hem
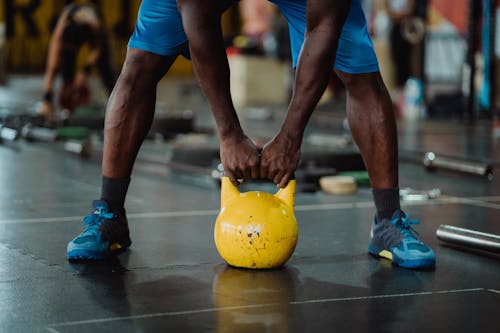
[[155, 49], [370, 68]]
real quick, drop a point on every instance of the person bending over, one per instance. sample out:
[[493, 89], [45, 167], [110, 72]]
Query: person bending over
[[332, 34], [78, 25]]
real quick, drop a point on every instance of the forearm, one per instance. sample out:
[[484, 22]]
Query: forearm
[[202, 25], [54, 52], [52, 64], [324, 25], [313, 71]]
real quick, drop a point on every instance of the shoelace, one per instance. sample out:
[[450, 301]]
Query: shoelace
[[404, 224], [97, 217]]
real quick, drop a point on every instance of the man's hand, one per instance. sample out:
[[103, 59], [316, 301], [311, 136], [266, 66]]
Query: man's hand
[[202, 23], [280, 158], [240, 158]]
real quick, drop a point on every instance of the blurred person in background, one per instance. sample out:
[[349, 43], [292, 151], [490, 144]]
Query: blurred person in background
[[78, 25], [399, 12], [256, 20]]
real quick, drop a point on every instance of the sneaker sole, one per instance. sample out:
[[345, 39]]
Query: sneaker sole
[[412, 263], [416, 264], [85, 255], [81, 255]]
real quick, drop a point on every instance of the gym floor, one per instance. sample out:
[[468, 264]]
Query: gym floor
[[173, 280]]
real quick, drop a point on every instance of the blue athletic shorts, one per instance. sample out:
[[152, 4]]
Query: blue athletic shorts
[[159, 30]]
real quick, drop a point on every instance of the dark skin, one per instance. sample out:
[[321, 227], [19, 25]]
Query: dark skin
[[325, 19], [202, 24], [373, 125], [130, 110], [369, 109], [131, 106]]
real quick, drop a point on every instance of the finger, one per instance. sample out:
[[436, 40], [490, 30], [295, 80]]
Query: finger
[[277, 177], [247, 173], [235, 182], [271, 174], [284, 180], [255, 168], [254, 171], [238, 175], [232, 178], [263, 171]]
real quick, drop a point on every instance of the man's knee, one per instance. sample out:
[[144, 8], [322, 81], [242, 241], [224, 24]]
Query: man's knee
[[144, 67], [362, 82], [349, 79]]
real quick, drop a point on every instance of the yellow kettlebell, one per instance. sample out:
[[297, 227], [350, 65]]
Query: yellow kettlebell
[[256, 229]]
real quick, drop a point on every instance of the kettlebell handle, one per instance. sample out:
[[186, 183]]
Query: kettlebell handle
[[229, 191]]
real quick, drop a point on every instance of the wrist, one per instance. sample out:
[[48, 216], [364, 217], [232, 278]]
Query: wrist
[[229, 129], [291, 139], [48, 97], [231, 133], [291, 133]]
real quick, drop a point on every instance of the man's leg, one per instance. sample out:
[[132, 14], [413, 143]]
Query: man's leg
[[373, 125], [157, 40], [130, 110], [129, 116]]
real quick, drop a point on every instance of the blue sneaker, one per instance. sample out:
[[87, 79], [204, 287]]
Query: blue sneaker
[[105, 233], [395, 239]]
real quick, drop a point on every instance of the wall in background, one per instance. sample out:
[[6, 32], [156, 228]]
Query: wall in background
[[28, 25]]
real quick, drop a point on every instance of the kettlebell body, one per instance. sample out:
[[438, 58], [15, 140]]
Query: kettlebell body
[[256, 229]]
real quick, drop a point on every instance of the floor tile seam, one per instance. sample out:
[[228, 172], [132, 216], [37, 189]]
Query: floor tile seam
[[51, 327], [326, 206], [173, 267], [489, 198], [22, 252], [470, 201]]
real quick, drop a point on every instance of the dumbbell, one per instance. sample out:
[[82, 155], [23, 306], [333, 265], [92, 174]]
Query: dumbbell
[[36, 133], [434, 162], [8, 134]]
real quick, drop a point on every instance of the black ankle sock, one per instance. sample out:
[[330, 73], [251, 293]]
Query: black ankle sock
[[386, 202], [114, 191]]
